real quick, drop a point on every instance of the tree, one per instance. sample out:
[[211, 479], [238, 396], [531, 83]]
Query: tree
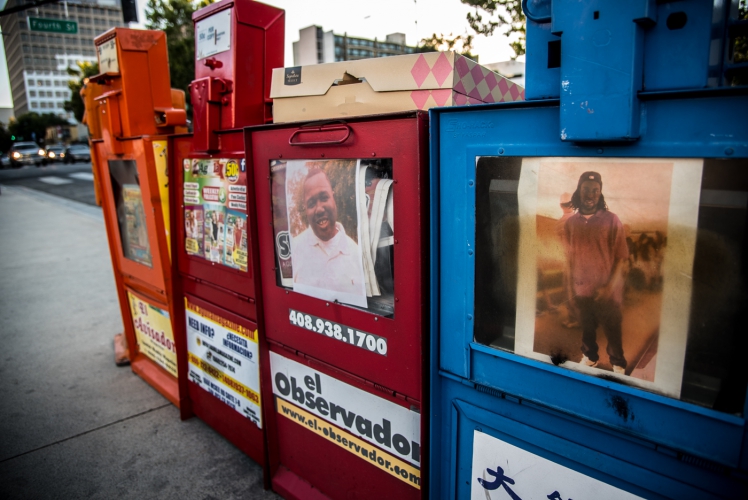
[[507, 13], [740, 48], [462, 44], [75, 104], [33, 126], [174, 17]]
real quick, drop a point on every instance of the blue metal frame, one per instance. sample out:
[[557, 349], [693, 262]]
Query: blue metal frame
[[523, 399]]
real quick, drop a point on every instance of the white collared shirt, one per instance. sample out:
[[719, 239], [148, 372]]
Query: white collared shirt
[[333, 265]]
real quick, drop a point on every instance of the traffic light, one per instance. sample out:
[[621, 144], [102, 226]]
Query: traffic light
[[129, 11]]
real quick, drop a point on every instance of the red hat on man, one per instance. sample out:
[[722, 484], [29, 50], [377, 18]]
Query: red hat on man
[[590, 176]]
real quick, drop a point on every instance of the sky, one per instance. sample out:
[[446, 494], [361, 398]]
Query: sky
[[416, 18]]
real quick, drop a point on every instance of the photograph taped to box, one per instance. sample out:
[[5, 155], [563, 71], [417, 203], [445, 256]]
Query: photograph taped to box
[[600, 266], [215, 211], [334, 230]]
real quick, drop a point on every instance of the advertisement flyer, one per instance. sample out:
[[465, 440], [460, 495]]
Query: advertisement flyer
[[224, 360], [382, 433], [153, 333], [502, 470], [135, 235], [162, 174], [215, 199]]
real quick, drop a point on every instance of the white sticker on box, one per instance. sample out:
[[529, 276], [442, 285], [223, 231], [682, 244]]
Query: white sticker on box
[[108, 60], [213, 34], [498, 465]]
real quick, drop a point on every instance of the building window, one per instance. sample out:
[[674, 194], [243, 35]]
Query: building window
[[49, 83], [59, 105], [32, 93], [34, 105]]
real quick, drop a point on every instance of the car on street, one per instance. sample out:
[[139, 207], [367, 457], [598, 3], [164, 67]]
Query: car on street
[[77, 153], [55, 154], [26, 153]]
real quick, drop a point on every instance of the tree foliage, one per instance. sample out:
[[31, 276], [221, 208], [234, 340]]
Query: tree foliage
[[80, 74], [33, 126], [492, 14], [174, 17], [462, 44], [740, 49]]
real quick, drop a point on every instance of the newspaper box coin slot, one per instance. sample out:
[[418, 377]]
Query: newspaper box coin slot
[[130, 156]]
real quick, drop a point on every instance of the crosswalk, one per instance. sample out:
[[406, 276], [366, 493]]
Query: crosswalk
[[59, 181]]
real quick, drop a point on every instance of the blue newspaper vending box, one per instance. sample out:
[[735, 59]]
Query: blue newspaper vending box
[[590, 264]]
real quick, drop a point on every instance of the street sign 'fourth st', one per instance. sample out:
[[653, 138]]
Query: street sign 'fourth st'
[[53, 25]]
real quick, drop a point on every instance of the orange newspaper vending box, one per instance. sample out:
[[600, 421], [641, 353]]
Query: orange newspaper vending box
[[89, 93], [136, 114]]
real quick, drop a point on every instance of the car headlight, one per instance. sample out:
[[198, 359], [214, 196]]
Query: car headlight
[[16, 155], [62, 155], [52, 154], [41, 152]]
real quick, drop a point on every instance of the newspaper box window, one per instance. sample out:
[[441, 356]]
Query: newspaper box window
[[130, 214], [333, 222], [616, 268]]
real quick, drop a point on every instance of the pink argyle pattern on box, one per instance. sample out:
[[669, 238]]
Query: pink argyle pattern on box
[[439, 97], [483, 85], [471, 82], [441, 69]]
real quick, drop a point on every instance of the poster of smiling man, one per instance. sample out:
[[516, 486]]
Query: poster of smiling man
[[606, 248], [323, 222]]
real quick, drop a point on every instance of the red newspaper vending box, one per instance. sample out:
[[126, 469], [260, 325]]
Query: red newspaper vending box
[[136, 113], [237, 44], [342, 225]]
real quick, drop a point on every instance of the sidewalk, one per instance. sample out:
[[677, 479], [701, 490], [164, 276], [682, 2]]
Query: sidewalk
[[72, 424]]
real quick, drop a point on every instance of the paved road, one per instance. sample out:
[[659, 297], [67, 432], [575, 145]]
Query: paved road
[[73, 181]]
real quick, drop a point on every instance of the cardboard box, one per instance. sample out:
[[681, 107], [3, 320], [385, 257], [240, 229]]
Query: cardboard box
[[385, 85]]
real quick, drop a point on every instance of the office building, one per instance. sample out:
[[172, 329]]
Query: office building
[[38, 60], [316, 46]]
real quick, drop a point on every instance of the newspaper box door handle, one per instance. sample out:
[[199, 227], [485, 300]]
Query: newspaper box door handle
[[319, 132]]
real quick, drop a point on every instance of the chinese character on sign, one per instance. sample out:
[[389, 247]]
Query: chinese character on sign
[[556, 496], [501, 480]]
